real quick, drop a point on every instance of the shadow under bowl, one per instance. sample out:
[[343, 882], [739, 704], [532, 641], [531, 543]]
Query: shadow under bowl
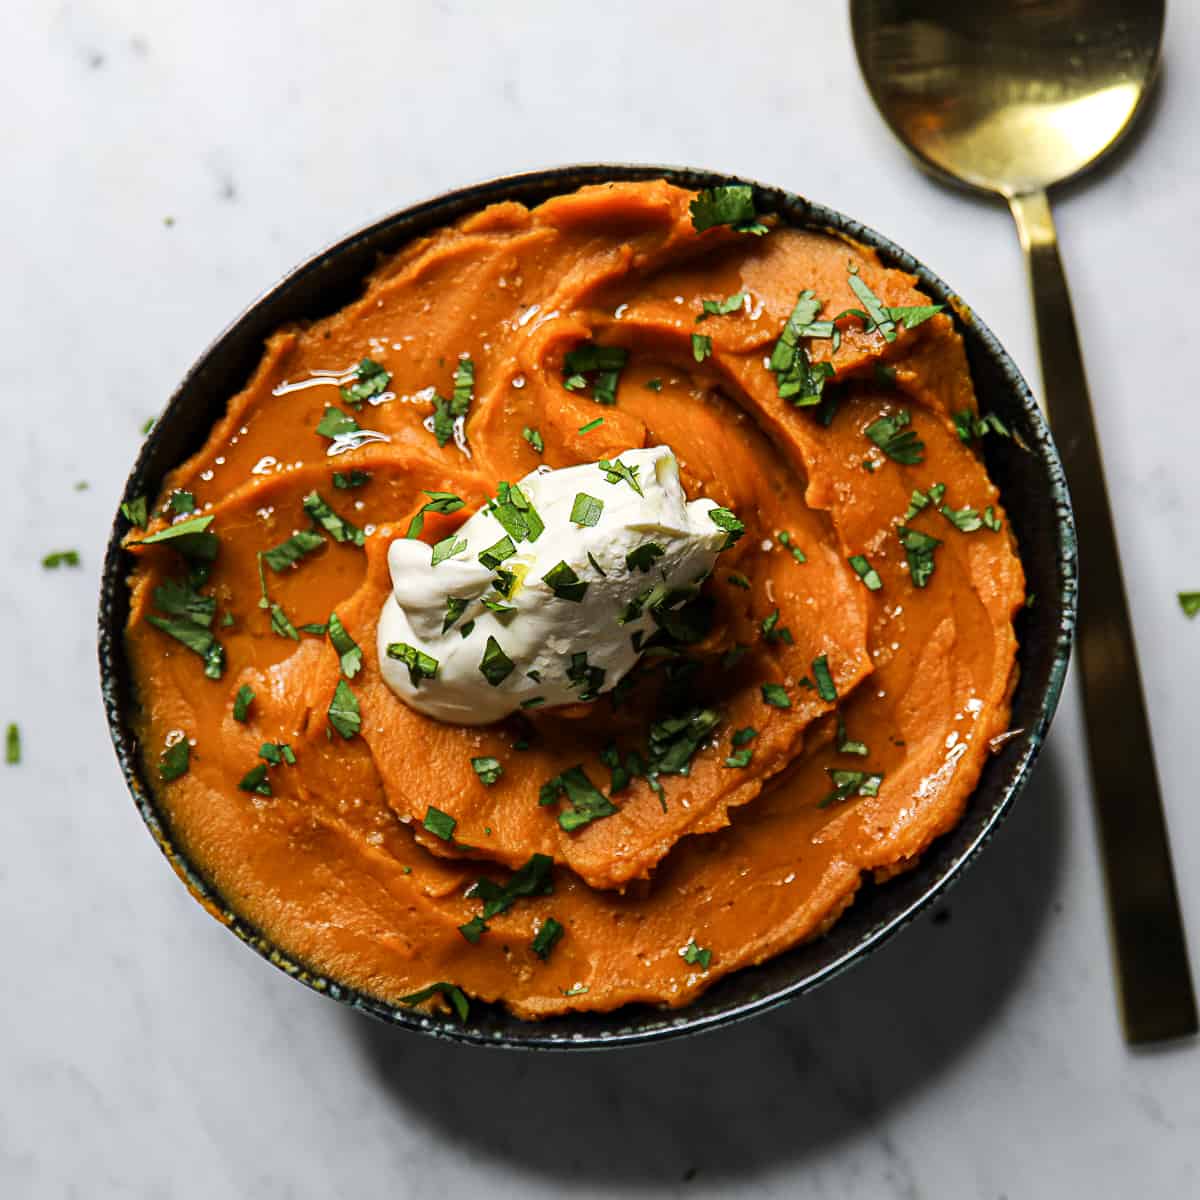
[[1031, 484]]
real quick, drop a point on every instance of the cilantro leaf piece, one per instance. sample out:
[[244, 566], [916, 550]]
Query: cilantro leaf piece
[[776, 695], [643, 557], [1188, 601], [845, 745], [515, 514], [174, 760], [420, 665], [583, 675], [654, 385], [701, 346], [587, 803], [12, 744], [452, 994], [135, 511], [771, 632], [281, 623], [276, 753], [740, 758], [850, 783], [586, 510], [910, 316], [724, 518], [197, 639], [447, 548], [879, 317], [287, 553], [334, 423], [785, 540], [674, 741], [488, 769], [695, 955], [344, 480], [474, 929], [721, 308], [443, 419], [317, 628], [371, 379], [182, 503], [617, 472], [438, 502], [796, 377], [255, 780], [731, 204], [464, 386], [61, 558], [534, 438], [867, 573], [242, 702], [743, 736], [347, 648], [494, 555], [966, 520], [825, 686], [922, 500], [991, 521], [739, 581], [495, 666], [465, 630], [546, 938], [898, 443], [532, 878], [970, 426], [919, 548], [455, 607], [337, 527], [596, 566], [440, 824], [344, 714], [562, 580], [189, 537], [591, 425], [603, 363]]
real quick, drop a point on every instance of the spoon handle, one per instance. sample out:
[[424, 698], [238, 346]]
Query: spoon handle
[[1157, 999]]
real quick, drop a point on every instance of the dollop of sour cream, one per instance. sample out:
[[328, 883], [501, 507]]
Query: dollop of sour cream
[[558, 615]]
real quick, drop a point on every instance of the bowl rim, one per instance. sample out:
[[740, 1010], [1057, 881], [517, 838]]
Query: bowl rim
[[647, 1024]]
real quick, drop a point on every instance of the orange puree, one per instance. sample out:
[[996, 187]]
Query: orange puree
[[335, 858]]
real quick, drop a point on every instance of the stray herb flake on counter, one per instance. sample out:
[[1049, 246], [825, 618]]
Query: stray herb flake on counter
[[586, 510], [546, 938], [695, 955], [371, 379], [562, 580], [617, 472], [286, 554], [724, 518], [721, 308], [1188, 601], [591, 425], [919, 548], [643, 557], [701, 347], [448, 547], [534, 438], [347, 648], [344, 480], [850, 783], [12, 744], [242, 702], [867, 573], [344, 714], [898, 443], [337, 527], [420, 665], [731, 204], [438, 502], [440, 824], [61, 558], [334, 423], [488, 769], [495, 666], [174, 760], [587, 802], [604, 363], [452, 994], [135, 511], [255, 780]]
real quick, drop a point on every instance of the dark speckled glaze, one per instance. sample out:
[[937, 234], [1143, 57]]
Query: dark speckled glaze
[[1035, 496]]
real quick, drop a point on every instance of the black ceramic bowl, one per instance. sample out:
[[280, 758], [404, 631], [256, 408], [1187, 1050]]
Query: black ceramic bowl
[[1035, 497]]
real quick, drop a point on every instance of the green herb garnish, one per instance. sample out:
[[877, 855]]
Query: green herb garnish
[[721, 308], [447, 548], [845, 745], [969, 425], [495, 666], [439, 823], [287, 553], [603, 363], [724, 518], [546, 938], [255, 780], [182, 503], [587, 802], [455, 607], [919, 548], [344, 714], [493, 556], [643, 557], [344, 480], [371, 379], [515, 514], [174, 760], [654, 385], [695, 955], [586, 510], [1188, 601], [771, 632], [825, 687], [776, 695], [190, 538], [347, 648], [591, 425], [197, 639], [242, 702], [565, 583], [12, 744], [135, 511], [61, 558], [488, 769], [420, 665], [739, 581], [617, 472], [276, 753], [281, 624], [337, 527], [532, 878], [334, 423], [534, 438], [850, 783], [701, 346], [438, 502], [797, 378], [453, 994], [898, 443], [865, 572], [731, 204]]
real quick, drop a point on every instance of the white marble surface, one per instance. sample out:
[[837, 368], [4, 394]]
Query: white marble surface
[[143, 1051]]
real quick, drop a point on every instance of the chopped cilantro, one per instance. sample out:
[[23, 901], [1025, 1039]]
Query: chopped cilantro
[[919, 548], [439, 823], [182, 503], [845, 745], [337, 527], [334, 423], [643, 557], [797, 378], [197, 639], [455, 607], [654, 385], [371, 379], [865, 572], [546, 938], [61, 558], [190, 538], [515, 514], [731, 204], [1188, 601], [587, 803], [344, 480], [599, 569], [447, 548], [966, 520], [785, 540], [586, 510], [281, 624], [287, 553], [991, 521], [438, 502], [494, 555], [922, 500], [347, 648], [674, 741], [317, 628], [740, 758], [534, 438], [452, 994], [721, 308], [532, 878], [969, 425], [420, 665], [495, 666], [898, 443], [12, 744], [695, 955], [276, 753], [850, 783], [135, 511], [603, 363], [776, 695], [737, 580], [344, 714], [701, 346], [255, 780], [464, 631], [591, 425], [474, 929], [581, 674], [173, 762], [488, 769], [724, 518], [565, 583], [242, 702], [825, 686], [617, 472]]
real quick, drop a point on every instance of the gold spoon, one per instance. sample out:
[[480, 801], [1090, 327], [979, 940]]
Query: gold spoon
[[1011, 97]]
